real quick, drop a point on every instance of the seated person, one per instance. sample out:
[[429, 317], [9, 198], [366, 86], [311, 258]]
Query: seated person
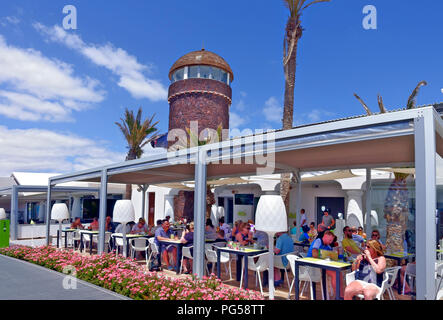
[[225, 227], [77, 224], [312, 232], [304, 237], [140, 227], [327, 222], [244, 237], [357, 238], [294, 229], [188, 240], [361, 233], [94, 225], [109, 225], [210, 232], [402, 276], [324, 243], [375, 235], [262, 239], [349, 245], [119, 228], [283, 245], [251, 224], [165, 233], [236, 229], [369, 267], [158, 225], [220, 235]]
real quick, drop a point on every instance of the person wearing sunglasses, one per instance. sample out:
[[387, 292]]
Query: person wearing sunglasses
[[244, 237], [369, 268], [348, 244], [375, 235]]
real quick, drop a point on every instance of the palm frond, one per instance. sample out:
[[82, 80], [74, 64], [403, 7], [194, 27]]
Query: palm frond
[[311, 3], [413, 97], [368, 111], [380, 104], [136, 133]]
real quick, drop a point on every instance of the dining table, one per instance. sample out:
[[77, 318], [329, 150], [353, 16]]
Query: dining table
[[324, 265], [91, 234], [66, 232], [242, 253], [129, 237], [179, 245], [398, 257]]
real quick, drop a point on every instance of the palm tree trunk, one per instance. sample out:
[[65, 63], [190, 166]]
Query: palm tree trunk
[[290, 57], [128, 193], [396, 212]]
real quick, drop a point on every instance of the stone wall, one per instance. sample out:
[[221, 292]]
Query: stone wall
[[203, 100]]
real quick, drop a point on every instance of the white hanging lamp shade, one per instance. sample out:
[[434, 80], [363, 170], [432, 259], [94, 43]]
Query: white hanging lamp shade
[[60, 212], [2, 214], [271, 214], [271, 218], [123, 211]]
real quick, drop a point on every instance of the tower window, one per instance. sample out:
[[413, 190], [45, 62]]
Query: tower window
[[203, 72], [178, 75], [193, 72]]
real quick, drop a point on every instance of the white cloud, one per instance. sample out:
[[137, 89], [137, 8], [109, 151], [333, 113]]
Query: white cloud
[[118, 61], [273, 110], [10, 20], [38, 88], [48, 151], [235, 121], [313, 116]]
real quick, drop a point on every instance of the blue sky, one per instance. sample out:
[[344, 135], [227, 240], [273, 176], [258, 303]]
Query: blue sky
[[62, 90]]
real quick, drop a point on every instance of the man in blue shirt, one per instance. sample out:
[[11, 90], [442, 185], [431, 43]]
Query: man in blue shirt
[[284, 245], [324, 243], [164, 233]]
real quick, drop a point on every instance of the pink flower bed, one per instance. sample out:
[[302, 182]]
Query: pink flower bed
[[126, 277]]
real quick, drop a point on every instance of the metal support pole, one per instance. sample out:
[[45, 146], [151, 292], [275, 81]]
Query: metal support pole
[[199, 214], [425, 193], [298, 203], [102, 213], [48, 213], [14, 213], [368, 202], [143, 189]]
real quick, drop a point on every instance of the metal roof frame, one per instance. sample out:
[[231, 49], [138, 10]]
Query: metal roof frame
[[424, 123]]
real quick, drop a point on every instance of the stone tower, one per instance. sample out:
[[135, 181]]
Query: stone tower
[[200, 91]]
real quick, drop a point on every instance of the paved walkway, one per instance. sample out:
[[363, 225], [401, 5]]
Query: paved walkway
[[20, 280]]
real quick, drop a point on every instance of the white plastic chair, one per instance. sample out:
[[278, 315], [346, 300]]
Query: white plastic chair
[[438, 275], [351, 277], [118, 242], [409, 273], [76, 237], [154, 250], [211, 256], [139, 245], [305, 274], [392, 274], [186, 253], [278, 263], [439, 295], [262, 264], [86, 240]]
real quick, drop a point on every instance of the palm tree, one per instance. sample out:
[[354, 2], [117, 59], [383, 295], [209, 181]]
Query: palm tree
[[137, 135], [396, 207], [293, 33]]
